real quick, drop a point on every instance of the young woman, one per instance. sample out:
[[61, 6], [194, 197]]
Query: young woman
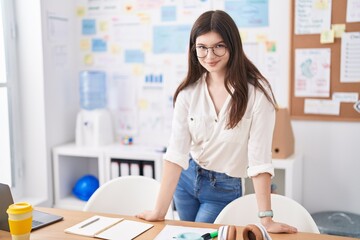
[[224, 116]]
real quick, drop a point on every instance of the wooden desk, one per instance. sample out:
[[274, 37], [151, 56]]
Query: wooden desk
[[56, 230]]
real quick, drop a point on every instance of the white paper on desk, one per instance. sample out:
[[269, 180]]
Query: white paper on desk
[[125, 230], [94, 228], [170, 231]]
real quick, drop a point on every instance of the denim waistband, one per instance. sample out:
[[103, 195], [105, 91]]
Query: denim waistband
[[208, 173]]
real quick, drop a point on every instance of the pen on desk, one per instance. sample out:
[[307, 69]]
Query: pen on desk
[[91, 222]]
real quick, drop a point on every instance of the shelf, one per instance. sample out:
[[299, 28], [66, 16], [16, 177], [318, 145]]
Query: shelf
[[72, 162], [70, 202]]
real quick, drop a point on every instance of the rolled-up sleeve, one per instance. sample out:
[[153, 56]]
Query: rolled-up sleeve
[[261, 134], [180, 139]]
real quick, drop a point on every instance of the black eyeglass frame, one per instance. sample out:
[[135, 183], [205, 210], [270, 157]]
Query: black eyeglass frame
[[207, 51]]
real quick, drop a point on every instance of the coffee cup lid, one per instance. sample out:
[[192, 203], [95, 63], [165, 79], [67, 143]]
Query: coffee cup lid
[[19, 208]]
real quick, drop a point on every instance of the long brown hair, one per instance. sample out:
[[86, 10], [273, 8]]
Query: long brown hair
[[241, 70]]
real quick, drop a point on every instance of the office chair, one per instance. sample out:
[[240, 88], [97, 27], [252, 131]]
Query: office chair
[[127, 195], [244, 211]]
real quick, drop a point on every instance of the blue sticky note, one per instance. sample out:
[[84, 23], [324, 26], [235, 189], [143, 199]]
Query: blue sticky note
[[168, 13], [134, 56], [248, 13], [88, 26], [98, 45], [171, 39]]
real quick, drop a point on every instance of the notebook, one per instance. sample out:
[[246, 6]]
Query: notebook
[[40, 219], [109, 228]]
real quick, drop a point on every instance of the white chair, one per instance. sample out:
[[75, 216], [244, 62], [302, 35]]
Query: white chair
[[244, 211], [127, 195]]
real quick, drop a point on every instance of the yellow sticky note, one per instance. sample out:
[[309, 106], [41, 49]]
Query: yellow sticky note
[[137, 70], [80, 11], [321, 4], [144, 17], [261, 38], [146, 47], [85, 44], [114, 48], [143, 104], [327, 36], [103, 26], [339, 29], [244, 36], [88, 59]]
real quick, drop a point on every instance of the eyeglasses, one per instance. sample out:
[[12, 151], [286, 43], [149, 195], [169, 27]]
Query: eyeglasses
[[218, 50]]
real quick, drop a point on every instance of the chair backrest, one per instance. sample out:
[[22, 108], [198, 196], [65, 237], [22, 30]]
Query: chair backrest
[[244, 210], [127, 195]]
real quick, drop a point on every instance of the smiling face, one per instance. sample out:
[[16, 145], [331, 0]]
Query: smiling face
[[216, 60]]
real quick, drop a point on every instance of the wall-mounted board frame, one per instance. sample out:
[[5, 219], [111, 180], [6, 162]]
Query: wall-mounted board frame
[[296, 104]]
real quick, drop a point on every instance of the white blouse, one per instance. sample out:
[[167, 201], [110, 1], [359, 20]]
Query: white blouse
[[239, 152]]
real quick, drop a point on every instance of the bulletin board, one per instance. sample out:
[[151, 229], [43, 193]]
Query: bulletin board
[[297, 104]]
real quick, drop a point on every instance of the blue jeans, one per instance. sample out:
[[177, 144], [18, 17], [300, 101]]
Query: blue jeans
[[201, 194]]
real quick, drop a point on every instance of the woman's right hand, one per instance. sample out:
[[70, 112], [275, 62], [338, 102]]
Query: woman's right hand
[[151, 216], [171, 175]]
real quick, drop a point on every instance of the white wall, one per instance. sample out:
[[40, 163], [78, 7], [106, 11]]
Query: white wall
[[48, 92], [331, 164], [31, 82]]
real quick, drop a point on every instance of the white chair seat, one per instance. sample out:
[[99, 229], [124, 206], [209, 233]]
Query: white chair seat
[[128, 195], [244, 211]]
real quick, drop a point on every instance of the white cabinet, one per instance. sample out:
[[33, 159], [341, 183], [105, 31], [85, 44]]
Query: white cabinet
[[287, 179], [72, 162]]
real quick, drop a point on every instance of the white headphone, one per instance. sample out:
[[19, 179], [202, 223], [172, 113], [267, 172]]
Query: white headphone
[[250, 232], [227, 233]]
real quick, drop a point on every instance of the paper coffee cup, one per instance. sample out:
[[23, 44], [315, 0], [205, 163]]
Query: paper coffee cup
[[20, 220]]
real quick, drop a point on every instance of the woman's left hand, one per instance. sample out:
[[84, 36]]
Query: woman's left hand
[[276, 227]]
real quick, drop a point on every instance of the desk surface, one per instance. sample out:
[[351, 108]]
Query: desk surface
[[56, 230]]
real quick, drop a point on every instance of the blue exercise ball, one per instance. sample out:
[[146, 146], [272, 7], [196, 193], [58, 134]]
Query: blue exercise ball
[[85, 187]]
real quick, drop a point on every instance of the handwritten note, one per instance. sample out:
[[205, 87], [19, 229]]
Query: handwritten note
[[350, 57], [311, 16]]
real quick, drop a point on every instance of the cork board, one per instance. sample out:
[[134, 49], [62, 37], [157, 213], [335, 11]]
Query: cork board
[[296, 106]]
